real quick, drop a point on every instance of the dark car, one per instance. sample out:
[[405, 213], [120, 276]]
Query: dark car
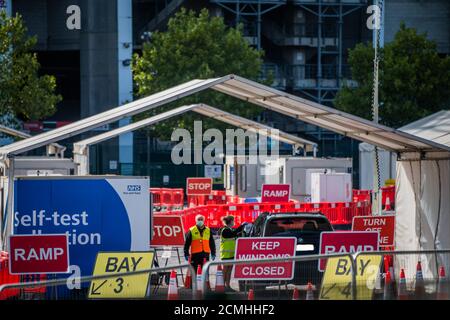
[[306, 227]]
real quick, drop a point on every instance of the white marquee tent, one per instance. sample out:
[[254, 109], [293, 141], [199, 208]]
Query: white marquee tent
[[423, 166], [422, 190], [81, 148]]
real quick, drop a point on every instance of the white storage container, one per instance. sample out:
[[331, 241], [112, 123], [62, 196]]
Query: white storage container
[[331, 187], [297, 172]]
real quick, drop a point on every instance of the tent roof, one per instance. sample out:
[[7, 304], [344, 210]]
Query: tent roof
[[79, 147], [435, 127], [245, 123], [326, 117], [308, 111], [23, 135], [14, 132]]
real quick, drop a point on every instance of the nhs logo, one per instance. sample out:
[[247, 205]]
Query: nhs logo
[[133, 188]]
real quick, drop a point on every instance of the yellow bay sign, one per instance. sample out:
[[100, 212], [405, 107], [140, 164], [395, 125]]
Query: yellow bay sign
[[337, 280], [134, 286]]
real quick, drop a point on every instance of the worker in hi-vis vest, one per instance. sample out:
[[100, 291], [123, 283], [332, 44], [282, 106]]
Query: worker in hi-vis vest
[[228, 237], [201, 242]]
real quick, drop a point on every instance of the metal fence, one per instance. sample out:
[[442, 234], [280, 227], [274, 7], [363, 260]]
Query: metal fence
[[307, 279], [356, 287], [89, 286]]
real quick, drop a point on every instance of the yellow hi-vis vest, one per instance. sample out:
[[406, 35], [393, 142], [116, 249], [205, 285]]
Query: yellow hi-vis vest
[[200, 243], [227, 246]]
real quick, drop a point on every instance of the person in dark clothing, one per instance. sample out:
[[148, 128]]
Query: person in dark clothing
[[200, 241], [228, 237]]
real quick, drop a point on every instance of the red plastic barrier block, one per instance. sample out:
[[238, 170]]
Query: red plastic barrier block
[[156, 196], [6, 277], [178, 197]]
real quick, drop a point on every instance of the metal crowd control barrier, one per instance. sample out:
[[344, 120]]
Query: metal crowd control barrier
[[353, 259], [207, 265], [64, 281], [431, 261]]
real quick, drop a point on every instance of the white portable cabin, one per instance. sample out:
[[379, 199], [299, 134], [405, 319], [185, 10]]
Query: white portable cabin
[[242, 178], [296, 171], [331, 187]]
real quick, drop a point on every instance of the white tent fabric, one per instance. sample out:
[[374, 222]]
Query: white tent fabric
[[423, 198], [423, 211], [435, 127]]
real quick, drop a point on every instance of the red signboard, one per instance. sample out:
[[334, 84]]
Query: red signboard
[[35, 254], [198, 186], [346, 242], [167, 231], [265, 248], [385, 225], [275, 193]]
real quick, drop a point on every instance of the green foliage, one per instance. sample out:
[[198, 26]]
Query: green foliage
[[195, 47], [414, 80], [23, 93]]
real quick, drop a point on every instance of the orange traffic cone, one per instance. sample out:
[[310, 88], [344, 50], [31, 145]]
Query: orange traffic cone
[[309, 292], [199, 282], [220, 286], [173, 290], [295, 294], [391, 270], [402, 293], [386, 263], [188, 279], [378, 279], [419, 289], [387, 206], [391, 267], [208, 286], [251, 295], [442, 292], [388, 294]]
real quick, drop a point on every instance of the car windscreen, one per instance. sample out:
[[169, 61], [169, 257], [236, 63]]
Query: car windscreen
[[296, 225]]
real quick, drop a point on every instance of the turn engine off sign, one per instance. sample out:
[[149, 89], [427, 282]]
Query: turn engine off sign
[[119, 286]]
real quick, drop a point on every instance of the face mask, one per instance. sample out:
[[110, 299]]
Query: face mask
[[200, 223]]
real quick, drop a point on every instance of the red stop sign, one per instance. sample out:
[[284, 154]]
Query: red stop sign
[[198, 186]]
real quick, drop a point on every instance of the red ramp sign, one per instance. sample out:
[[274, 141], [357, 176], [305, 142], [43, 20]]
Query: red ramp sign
[[36, 254], [167, 231], [346, 242], [385, 225], [275, 192], [265, 248]]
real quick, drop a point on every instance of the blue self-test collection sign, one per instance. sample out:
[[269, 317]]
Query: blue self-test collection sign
[[97, 214]]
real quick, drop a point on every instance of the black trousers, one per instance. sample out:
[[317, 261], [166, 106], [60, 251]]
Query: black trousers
[[198, 258]]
